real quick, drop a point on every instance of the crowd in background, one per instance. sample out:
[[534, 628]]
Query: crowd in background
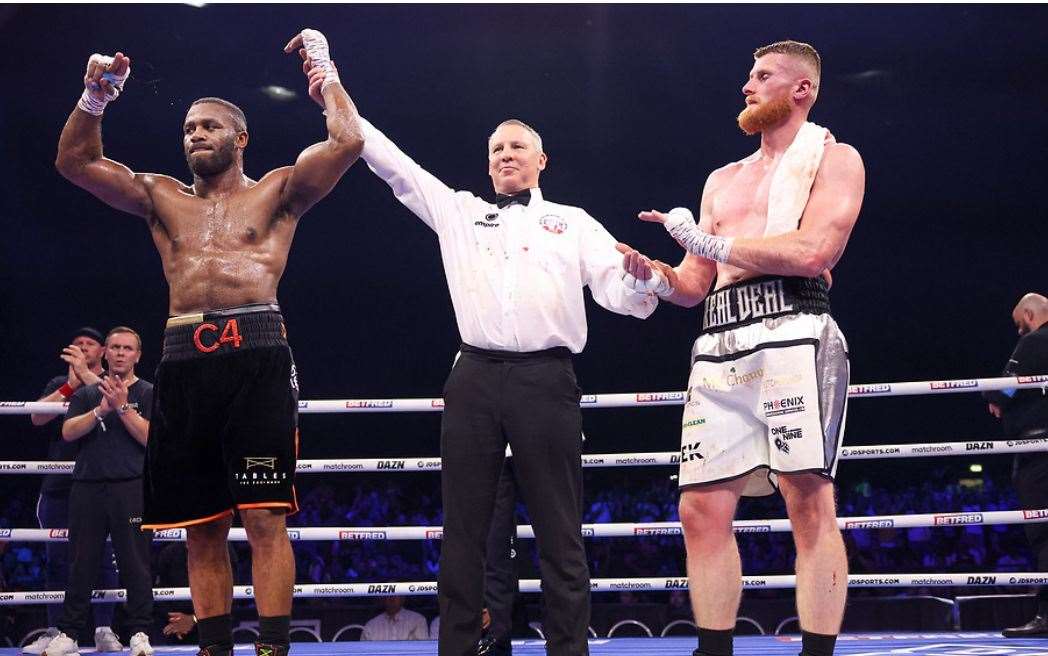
[[409, 501]]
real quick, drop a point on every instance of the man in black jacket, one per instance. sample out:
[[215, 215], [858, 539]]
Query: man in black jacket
[[1024, 415]]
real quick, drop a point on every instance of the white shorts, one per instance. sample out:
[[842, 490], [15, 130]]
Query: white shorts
[[764, 399]]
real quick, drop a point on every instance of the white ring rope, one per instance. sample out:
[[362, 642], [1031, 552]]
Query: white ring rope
[[591, 530], [606, 530], [364, 465], [626, 400], [596, 585]]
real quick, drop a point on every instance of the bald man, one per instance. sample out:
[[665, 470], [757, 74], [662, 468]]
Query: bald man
[[1024, 415]]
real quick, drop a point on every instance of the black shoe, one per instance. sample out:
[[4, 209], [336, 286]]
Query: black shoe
[[262, 649], [491, 646], [1036, 627], [215, 650]]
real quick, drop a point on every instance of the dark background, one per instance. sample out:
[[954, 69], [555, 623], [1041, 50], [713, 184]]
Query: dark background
[[636, 105]]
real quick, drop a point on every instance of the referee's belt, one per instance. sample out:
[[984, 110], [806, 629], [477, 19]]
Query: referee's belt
[[562, 352], [766, 297]]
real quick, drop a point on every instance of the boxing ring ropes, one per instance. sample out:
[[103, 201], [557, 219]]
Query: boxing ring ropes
[[608, 530]]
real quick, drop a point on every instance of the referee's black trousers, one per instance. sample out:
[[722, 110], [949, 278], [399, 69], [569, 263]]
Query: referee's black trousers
[[98, 510], [501, 582], [531, 401], [1030, 476]]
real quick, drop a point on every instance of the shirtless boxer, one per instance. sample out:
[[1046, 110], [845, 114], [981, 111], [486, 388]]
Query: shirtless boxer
[[223, 435], [768, 387]]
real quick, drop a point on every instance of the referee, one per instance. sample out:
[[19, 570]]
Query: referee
[[515, 269]]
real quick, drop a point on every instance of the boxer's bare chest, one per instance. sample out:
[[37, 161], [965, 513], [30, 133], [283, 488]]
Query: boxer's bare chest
[[740, 206], [740, 209], [222, 251]]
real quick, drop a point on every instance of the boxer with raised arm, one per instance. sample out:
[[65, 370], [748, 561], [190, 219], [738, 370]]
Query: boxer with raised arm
[[223, 436]]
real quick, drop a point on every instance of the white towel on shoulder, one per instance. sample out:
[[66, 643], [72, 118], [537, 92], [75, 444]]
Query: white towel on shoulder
[[792, 181]]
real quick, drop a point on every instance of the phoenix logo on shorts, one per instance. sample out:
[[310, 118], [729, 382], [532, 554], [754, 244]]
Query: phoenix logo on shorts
[[294, 377], [785, 406]]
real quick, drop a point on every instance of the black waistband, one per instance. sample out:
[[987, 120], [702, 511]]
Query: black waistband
[[756, 299], [518, 356], [238, 310], [224, 331]]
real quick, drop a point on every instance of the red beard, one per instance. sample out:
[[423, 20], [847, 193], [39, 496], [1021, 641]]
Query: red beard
[[761, 116]]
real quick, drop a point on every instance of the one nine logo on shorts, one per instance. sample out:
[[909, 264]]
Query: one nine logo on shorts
[[787, 433], [783, 434]]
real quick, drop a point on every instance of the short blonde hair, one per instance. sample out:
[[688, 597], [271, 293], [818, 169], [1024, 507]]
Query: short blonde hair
[[802, 51], [517, 121], [124, 329]]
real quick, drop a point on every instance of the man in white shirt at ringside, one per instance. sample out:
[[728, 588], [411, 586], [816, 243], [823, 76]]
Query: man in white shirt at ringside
[[395, 623]]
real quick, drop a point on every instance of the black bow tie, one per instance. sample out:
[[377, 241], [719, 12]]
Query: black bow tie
[[505, 200]]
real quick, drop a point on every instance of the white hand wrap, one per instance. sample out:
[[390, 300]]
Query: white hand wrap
[[657, 284], [95, 106], [681, 226], [316, 46]]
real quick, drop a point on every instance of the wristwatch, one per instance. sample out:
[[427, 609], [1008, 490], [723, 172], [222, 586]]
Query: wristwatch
[[98, 418], [122, 410]]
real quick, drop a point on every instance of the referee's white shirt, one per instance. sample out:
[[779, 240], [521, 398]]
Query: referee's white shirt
[[515, 274]]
